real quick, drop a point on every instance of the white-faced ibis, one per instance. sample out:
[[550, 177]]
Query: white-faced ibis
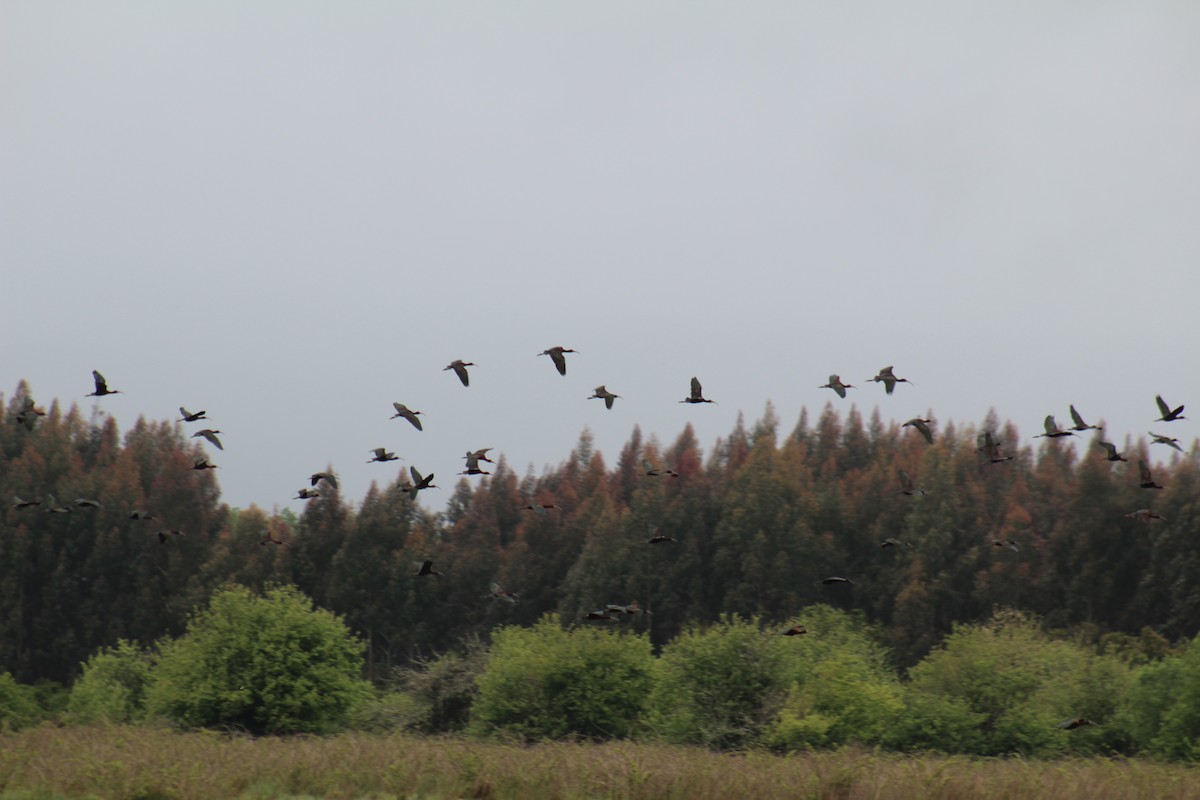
[[211, 436], [1169, 441], [1168, 414], [991, 449], [419, 482], [328, 477], [188, 416], [837, 579], [426, 569], [598, 616], [473, 467], [1145, 515], [460, 369], [1078, 722], [795, 630], [138, 513], [888, 379], [271, 538], [200, 462], [891, 541], [1011, 544], [629, 610], [480, 454], [406, 412], [502, 594], [1052, 429], [163, 535], [604, 394], [556, 355], [53, 507], [19, 503], [1111, 450], [382, 454], [101, 386], [83, 502], [29, 413], [659, 538], [306, 494], [1080, 425], [654, 471], [922, 425], [835, 383], [907, 487], [541, 508], [1147, 481], [697, 396]]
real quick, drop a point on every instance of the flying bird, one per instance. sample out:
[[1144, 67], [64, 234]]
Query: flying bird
[[460, 369], [328, 477], [382, 454], [81, 502], [659, 538], [188, 416], [795, 630], [837, 579], [1169, 441], [1080, 425], [138, 513], [163, 535], [1144, 514], [604, 394], [906, 484], [921, 425], [1052, 429], [29, 413], [1168, 414], [473, 467], [556, 355], [102, 386], [419, 482], [1147, 482], [425, 569], [410, 415], [502, 594], [1010, 544], [697, 396], [1078, 722], [200, 462], [19, 504], [270, 538], [888, 379], [306, 494], [991, 449], [211, 436], [480, 454], [835, 383], [1111, 450], [541, 508], [654, 471], [893, 542], [598, 616]]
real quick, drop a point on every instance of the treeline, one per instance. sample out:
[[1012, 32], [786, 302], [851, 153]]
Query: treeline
[[758, 522]]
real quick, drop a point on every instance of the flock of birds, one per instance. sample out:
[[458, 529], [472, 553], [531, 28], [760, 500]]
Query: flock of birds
[[988, 447]]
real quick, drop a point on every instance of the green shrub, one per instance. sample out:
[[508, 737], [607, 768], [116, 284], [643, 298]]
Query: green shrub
[[1162, 712], [270, 664], [547, 682], [444, 688], [112, 687], [18, 704], [385, 712]]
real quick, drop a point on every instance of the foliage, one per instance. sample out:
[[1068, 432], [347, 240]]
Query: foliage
[[443, 689], [18, 704], [1163, 708], [269, 664], [112, 687], [548, 682]]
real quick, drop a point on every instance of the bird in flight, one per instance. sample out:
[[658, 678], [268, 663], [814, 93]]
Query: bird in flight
[[888, 379], [835, 579], [419, 482], [410, 415], [1010, 544], [1168, 414], [1169, 441], [426, 569], [697, 396], [498, 593], [29, 413], [1111, 450], [604, 394], [460, 369], [188, 416], [893, 542], [795, 630], [480, 455], [200, 462], [654, 471], [382, 454], [1080, 425], [163, 535], [306, 494], [473, 467], [921, 425], [1147, 481], [102, 386], [835, 383], [211, 436], [991, 449], [1052, 429], [906, 484], [1145, 515], [556, 355]]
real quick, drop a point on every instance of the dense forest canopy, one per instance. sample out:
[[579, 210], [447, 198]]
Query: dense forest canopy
[[752, 527]]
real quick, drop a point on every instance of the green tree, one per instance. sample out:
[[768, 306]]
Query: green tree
[[113, 686], [269, 664]]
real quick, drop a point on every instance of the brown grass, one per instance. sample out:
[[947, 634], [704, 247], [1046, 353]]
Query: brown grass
[[130, 763]]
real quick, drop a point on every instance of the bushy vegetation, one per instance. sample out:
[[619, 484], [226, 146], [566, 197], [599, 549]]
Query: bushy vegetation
[[112, 686]]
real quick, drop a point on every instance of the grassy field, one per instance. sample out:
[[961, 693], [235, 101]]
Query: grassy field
[[148, 764]]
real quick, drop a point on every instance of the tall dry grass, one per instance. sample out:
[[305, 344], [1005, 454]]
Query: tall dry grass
[[131, 763]]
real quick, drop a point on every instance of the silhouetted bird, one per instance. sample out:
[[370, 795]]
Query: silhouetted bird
[[82, 502], [211, 436], [893, 542], [460, 369], [480, 454], [1080, 425], [1111, 450], [473, 467], [200, 462], [270, 538], [888, 379], [1052, 429], [1169, 441], [419, 482], [906, 484], [1168, 414], [189, 416], [835, 383], [1078, 722], [382, 454], [921, 425], [556, 355], [102, 386], [306, 494], [1010, 544], [991, 449], [837, 579], [541, 508], [1147, 482], [659, 538], [163, 535], [604, 394], [137, 513], [19, 503], [795, 630], [502, 594], [697, 396], [29, 413], [654, 471], [406, 412], [1144, 514], [426, 569], [328, 477]]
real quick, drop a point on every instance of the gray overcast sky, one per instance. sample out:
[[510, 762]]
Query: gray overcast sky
[[293, 213]]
